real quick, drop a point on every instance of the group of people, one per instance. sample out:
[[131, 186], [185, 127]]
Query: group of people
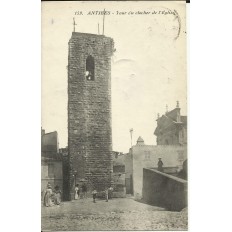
[[52, 197], [80, 192], [108, 193]]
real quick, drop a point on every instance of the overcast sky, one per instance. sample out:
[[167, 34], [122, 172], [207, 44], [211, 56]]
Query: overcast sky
[[148, 67]]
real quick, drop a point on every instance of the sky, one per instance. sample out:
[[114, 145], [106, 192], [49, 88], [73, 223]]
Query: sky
[[148, 67]]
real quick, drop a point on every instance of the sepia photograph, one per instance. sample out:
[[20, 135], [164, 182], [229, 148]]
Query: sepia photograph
[[114, 134]]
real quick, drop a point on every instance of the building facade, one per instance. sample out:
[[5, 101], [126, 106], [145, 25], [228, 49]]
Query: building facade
[[49, 144], [119, 175], [51, 172], [129, 172], [51, 161], [89, 110], [171, 128], [146, 156]]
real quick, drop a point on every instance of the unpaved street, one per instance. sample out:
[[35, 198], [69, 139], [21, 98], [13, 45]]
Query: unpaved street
[[117, 214]]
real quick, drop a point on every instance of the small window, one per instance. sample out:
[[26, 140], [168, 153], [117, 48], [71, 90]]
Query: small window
[[147, 157], [180, 155], [89, 72]]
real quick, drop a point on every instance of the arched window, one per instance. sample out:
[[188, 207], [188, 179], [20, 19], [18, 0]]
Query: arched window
[[89, 72]]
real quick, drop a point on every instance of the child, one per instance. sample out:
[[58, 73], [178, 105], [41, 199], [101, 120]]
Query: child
[[94, 195], [76, 196], [110, 192]]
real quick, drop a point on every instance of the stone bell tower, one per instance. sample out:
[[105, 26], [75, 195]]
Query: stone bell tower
[[89, 110]]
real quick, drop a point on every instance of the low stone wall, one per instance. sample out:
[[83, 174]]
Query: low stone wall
[[164, 190]]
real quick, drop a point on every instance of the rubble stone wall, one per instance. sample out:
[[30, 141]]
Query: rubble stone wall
[[89, 111]]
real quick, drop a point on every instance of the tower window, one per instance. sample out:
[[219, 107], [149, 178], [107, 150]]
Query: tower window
[[89, 73]]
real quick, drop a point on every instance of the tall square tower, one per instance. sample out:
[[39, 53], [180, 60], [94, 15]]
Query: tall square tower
[[89, 110]]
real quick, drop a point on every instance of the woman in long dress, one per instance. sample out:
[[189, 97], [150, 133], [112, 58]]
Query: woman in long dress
[[76, 192], [57, 195], [47, 196]]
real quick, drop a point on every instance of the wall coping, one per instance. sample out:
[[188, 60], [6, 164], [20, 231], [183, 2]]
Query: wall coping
[[76, 33], [155, 167], [167, 175], [144, 145]]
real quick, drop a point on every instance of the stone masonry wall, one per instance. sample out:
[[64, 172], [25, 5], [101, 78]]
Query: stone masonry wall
[[89, 111], [164, 190]]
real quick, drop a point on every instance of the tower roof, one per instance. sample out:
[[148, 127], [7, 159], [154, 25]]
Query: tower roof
[[140, 141]]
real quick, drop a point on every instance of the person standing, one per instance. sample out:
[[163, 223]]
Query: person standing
[[84, 190], [160, 165], [77, 190], [48, 196], [110, 192], [94, 193], [57, 195]]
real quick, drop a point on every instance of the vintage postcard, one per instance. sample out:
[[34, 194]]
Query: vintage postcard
[[114, 116]]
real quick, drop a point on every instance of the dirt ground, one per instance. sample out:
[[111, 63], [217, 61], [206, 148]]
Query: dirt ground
[[116, 214]]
